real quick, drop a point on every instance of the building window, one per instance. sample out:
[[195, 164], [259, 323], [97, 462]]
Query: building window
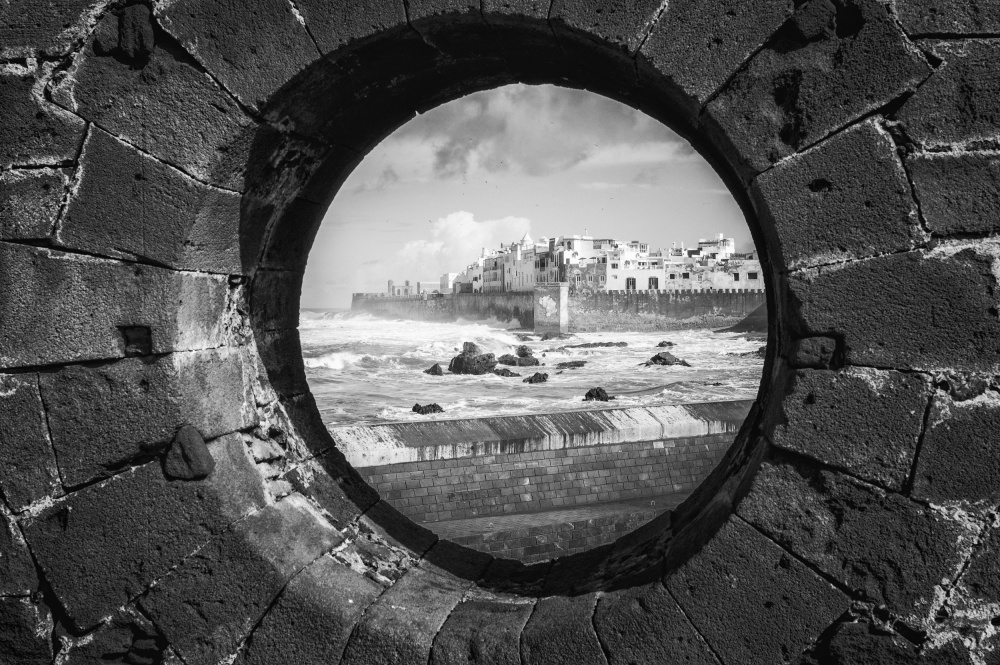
[[614, 266], [654, 283], [736, 277], [590, 278], [751, 275], [602, 279], [630, 283], [673, 275], [685, 275]]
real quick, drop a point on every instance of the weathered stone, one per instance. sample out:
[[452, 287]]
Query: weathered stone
[[814, 352], [135, 31], [17, 571], [130, 205], [281, 354], [890, 549], [35, 132], [796, 91], [958, 193], [25, 629], [596, 394], [958, 459], [188, 457], [901, 310], [435, 370], [29, 471], [106, 34], [862, 420], [342, 25], [847, 198], [29, 202], [252, 48], [427, 409], [88, 300], [698, 46], [644, 624], [103, 545], [948, 17], [104, 418], [482, 631], [114, 640], [28, 28], [471, 361], [274, 299], [561, 632], [537, 377], [312, 480], [390, 632], [447, 558], [207, 606], [666, 358], [397, 529], [750, 599], [959, 104], [858, 644], [313, 618], [288, 248], [622, 24], [981, 582], [168, 108]]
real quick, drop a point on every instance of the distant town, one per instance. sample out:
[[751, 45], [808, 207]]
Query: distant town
[[597, 264]]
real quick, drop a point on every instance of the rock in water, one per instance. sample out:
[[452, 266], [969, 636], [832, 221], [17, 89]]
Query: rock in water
[[471, 361], [665, 343], [666, 358], [537, 377], [524, 351], [434, 370], [427, 408], [595, 345], [571, 364], [188, 457], [596, 395], [554, 335], [505, 372], [470, 348], [517, 361]]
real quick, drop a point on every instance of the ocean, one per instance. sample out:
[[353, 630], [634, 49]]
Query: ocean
[[364, 369]]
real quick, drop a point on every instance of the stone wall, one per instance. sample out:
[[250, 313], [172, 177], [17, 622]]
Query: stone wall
[[503, 307]]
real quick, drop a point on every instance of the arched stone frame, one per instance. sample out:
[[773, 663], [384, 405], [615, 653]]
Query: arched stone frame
[[164, 177]]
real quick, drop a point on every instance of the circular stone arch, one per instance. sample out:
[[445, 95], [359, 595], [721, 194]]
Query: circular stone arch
[[177, 497]]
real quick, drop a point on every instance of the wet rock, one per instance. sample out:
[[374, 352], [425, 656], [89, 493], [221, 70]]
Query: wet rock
[[524, 351], [597, 395], [523, 337], [664, 343], [471, 361], [518, 361], [666, 358], [505, 372], [427, 409], [596, 345], [537, 377], [759, 353], [188, 457], [571, 364], [434, 370], [554, 335]]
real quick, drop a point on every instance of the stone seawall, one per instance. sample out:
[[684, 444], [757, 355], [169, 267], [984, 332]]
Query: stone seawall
[[450, 307]]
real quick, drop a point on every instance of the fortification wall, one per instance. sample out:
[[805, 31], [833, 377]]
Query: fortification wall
[[450, 307]]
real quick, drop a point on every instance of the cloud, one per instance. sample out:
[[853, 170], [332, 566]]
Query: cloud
[[386, 178]]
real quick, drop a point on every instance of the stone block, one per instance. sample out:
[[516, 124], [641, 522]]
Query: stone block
[[751, 600], [104, 545], [274, 299], [29, 202], [128, 204], [863, 420], [644, 624], [29, 472], [958, 194], [312, 480], [980, 585], [623, 24], [392, 632], [482, 631], [28, 28], [698, 46], [958, 459], [931, 310], [135, 32], [106, 417], [959, 104], [893, 551], [313, 618], [346, 24], [252, 48], [814, 352], [25, 630], [805, 83], [17, 570], [447, 558], [167, 107], [847, 198], [281, 354], [57, 307], [208, 605], [953, 17], [35, 132], [289, 244], [561, 632], [397, 529]]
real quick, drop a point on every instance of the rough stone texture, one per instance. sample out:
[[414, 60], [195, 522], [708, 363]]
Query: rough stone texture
[[344, 24], [105, 417], [891, 549], [560, 632], [135, 32], [699, 45], [391, 632], [207, 606], [949, 16], [29, 471], [804, 85], [878, 443], [271, 307], [188, 457], [88, 300], [130, 205], [751, 600], [35, 132], [814, 352], [103, 545], [24, 632], [645, 624], [28, 28], [281, 351], [958, 194], [313, 618], [17, 571], [900, 310], [959, 104], [29, 202], [981, 581], [622, 24], [847, 198], [958, 459], [482, 631]]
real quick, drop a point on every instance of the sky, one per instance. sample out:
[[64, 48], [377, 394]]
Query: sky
[[486, 168]]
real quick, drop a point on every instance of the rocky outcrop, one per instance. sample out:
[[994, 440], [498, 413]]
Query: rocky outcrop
[[518, 361], [188, 457], [427, 409], [597, 395], [471, 361], [665, 343], [434, 370], [505, 372], [571, 364], [537, 377], [666, 358]]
